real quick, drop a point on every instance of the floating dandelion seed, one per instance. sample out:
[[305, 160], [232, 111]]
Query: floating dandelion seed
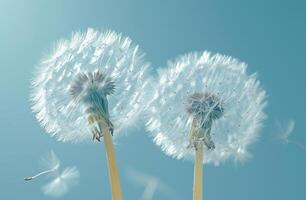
[[50, 164], [92, 85], [206, 104], [152, 185], [286, 130], [62, 181]]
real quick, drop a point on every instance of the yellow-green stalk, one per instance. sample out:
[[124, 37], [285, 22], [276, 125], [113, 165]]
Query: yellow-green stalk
[[198, 173], [112, 165]]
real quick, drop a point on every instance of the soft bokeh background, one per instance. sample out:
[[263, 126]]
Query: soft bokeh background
[[269, 35]]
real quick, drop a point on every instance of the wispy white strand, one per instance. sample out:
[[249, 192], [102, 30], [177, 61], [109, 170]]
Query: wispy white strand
[[39, 174], [149, 191], [49, 164], [62, 183], [286, 129], [152, 185]]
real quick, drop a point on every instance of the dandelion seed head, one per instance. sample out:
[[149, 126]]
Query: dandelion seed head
[[204, 107], [91, 82], [90, 70], [215, 90]]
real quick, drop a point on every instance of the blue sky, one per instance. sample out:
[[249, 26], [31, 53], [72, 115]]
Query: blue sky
[[268, 35]]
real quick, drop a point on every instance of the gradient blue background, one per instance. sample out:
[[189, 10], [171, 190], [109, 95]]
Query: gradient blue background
[[268, 35]]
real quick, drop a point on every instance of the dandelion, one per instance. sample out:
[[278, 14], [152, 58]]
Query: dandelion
[[61, 181], [207, 109], [91, 86], [50, 164], [286, 130], [152, 185]]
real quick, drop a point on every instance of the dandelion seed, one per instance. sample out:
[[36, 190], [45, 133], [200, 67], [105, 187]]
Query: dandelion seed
[[217, 111], [62, 181], [90, 87], [50, 164], [152, 185], [286, 130]]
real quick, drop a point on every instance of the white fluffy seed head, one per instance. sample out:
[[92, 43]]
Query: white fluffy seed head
[[220, 83], [204, 107], [62, 82], [88, 83]]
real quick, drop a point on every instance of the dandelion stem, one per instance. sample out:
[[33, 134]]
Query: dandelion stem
[[112, 166], [198, 173]]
